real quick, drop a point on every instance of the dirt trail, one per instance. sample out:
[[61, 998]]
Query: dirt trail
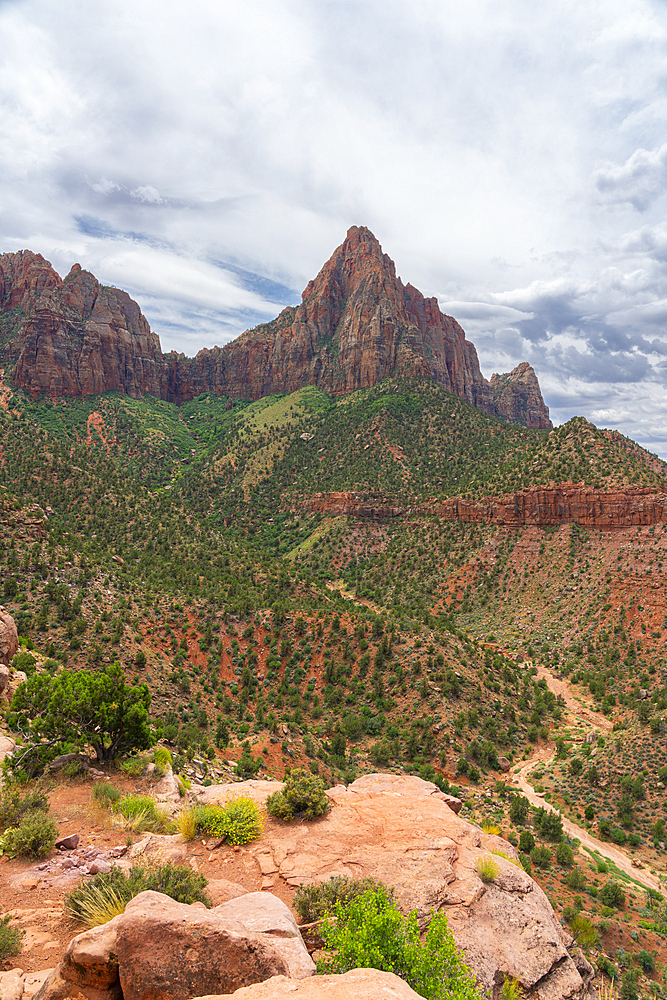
[[545, 756]]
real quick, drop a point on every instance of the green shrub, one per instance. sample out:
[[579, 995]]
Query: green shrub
[[25, 662], [303, 795], [10, 938], [526, 841], [133, 767], [370, 932], [238, 821], [646, 961], [108, 891], [242, 820], [34, 837], [105, 793], [611, 894], [541, 856], [13, 805], [607, 967], [564, 855], [575, 879], [318, 900], [73, 769]]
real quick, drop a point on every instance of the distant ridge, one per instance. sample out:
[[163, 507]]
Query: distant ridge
[[357, 324]]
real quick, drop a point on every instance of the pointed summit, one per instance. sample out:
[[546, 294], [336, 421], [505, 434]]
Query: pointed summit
[[357, 323]]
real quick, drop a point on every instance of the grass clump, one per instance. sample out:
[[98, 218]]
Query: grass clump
[[10, 938], [489, 827], [303, 795], [162, 760], [370, 932], [107, 894], [106, 794], [316, 901], [34, 837], [141, 813], [487, 869], [237, 822]]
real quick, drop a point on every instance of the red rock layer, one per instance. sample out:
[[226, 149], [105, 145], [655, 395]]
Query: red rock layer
[[357, 324], [539, 507]]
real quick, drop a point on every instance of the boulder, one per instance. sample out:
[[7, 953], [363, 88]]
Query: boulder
[[358, 984], [9, 637], [11, 984], [217, 795], [159, 847], [4, 679], [167, 788], [171, 951], [68, 843], [88, 969], [69, 758], [262, 913]]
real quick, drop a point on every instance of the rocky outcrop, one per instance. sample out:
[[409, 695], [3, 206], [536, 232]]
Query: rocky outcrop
[[75, 337], [544, 506], [537, 506], [400, 830], [357, 323], [517, 398], [9, 637]]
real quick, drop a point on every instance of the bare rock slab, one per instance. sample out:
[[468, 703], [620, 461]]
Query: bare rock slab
[[358, 984]]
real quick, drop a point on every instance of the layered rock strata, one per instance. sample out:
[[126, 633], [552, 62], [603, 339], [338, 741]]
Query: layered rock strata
[[357, 323], [537, 507]]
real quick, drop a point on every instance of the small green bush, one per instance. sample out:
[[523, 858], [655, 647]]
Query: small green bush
[[10, 938], [162, 758], [105, 793], [242, 820], [238, 821], [34, 837], [73, 769], [370, 932], [526, 841], [303, 795], [564, 855], [318, 900], [607, 967], [646, 961], [611, 894], [133, 767], [541, 856], [95, 897], [575, 879], [13, 805]]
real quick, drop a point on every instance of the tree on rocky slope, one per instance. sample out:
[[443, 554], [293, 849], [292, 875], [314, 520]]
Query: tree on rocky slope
[[84, 708]]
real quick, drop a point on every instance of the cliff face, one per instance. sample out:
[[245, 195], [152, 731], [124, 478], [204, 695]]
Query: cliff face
[[357, 324], [517, 397], [76, 337], [537, 507]]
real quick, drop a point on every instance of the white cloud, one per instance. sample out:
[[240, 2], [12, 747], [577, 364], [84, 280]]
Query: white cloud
[[500, 152]]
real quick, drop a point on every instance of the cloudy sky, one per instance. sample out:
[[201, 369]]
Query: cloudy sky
[[209, 156]]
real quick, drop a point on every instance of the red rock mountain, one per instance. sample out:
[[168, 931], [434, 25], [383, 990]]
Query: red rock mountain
[[357, 324]]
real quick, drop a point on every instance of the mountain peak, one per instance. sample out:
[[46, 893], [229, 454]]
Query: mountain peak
[[357, 324]]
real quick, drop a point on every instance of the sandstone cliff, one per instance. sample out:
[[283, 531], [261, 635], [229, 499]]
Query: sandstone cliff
[[357, 324], [537, 507]]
